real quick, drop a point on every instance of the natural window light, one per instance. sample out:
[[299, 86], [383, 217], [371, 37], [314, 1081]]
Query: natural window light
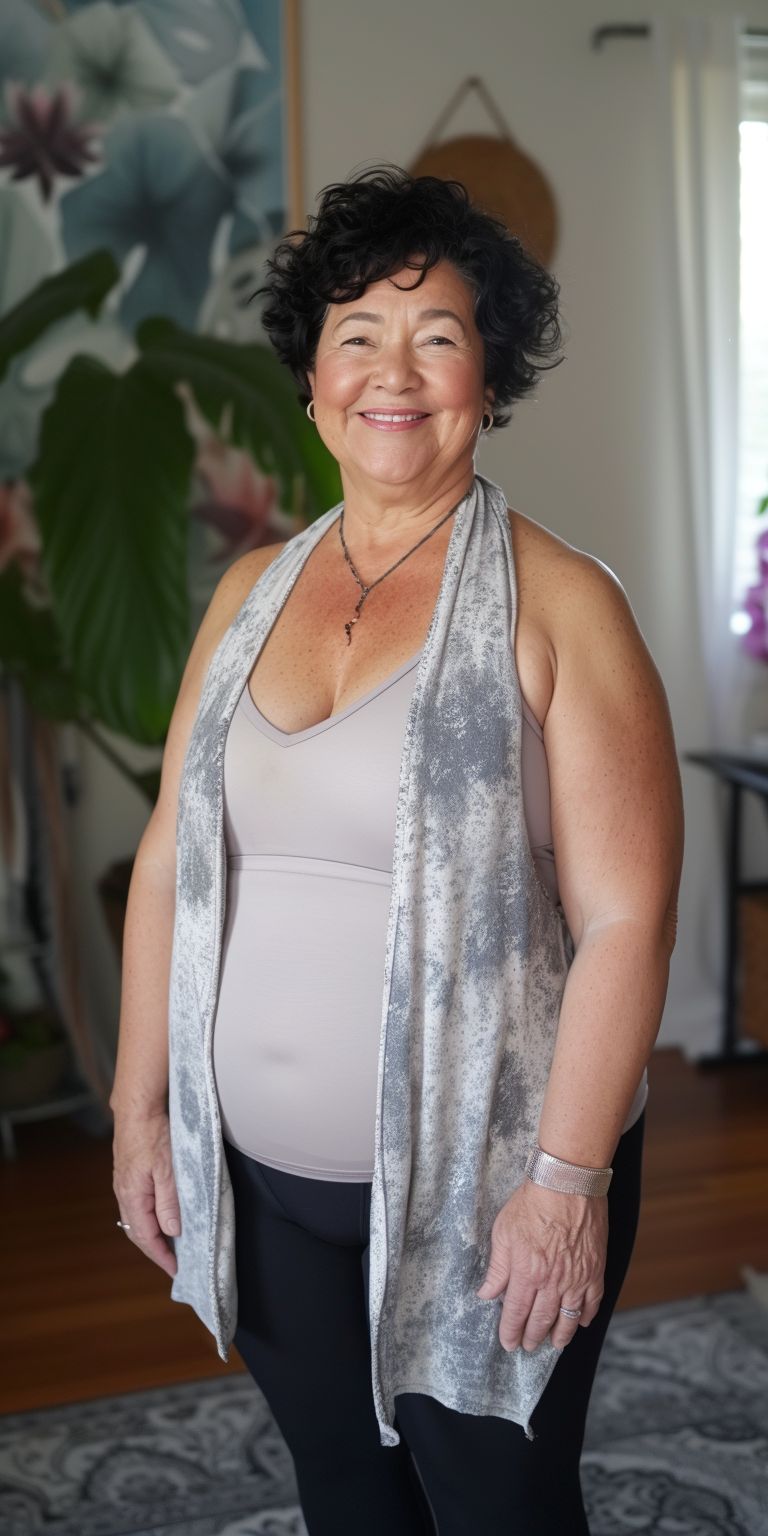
[[753, 361]]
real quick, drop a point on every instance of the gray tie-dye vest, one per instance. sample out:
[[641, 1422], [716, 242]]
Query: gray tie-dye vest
[[476, 963]]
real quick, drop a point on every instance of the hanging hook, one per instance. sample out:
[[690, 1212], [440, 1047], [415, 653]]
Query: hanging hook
[[472, 83], [619, 29]]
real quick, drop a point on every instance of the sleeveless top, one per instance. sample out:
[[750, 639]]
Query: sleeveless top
[[475, 965], [309, 824]]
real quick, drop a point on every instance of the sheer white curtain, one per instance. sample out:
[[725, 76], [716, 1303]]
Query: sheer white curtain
[[698, 85], [697, 113]]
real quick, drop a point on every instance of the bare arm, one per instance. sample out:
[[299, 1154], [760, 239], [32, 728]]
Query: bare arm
[[143, 1178], [617, 831], [617, 826]]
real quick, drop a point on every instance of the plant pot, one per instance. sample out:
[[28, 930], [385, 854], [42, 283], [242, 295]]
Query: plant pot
[[36, 1078]]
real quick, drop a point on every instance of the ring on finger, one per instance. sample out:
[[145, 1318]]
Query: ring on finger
[[571, 1311], [126, 1225]]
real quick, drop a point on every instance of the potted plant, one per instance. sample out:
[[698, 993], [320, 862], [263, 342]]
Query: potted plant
[[95, 614], [99, 631]]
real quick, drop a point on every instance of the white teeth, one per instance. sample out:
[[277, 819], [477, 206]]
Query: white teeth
[[385, 416]]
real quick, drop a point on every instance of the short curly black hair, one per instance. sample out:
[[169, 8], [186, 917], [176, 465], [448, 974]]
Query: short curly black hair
[[383, 220]]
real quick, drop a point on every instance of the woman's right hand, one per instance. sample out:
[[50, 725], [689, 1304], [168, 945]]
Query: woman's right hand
[[145, 1187]]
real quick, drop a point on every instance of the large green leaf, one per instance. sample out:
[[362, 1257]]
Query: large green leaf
[[255, 394], [84, 285], [111, 487], [31, 648]]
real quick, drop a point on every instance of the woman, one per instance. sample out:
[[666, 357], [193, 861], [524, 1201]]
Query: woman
[[422, 746]]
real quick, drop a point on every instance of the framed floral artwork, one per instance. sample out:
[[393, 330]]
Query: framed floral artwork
[[167, 132]]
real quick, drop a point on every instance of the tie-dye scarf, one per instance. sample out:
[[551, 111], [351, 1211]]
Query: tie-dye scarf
[[476, 963]]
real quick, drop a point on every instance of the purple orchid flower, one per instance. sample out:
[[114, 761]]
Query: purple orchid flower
[[42, 139], [755, 641]]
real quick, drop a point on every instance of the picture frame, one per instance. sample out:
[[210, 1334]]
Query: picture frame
[[294, 117]]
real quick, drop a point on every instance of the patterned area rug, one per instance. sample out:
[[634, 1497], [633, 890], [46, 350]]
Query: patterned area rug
[[677, 1444], [677, 1438]]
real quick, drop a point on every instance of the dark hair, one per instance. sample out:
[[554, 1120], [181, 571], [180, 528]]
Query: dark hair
[[383, 220]]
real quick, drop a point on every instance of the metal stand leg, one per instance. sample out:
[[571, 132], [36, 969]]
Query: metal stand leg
[[734, 1051], [732, 922]]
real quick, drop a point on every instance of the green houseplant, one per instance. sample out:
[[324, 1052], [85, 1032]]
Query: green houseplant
[[107, 644]]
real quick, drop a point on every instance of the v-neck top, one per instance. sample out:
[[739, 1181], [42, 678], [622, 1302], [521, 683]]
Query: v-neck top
[[328, 792], [309, 830], [309, 819]]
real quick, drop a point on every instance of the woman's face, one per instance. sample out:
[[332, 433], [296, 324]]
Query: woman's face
[[398, 379]]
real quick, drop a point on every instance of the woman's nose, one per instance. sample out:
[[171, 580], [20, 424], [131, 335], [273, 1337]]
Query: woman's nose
[[395, 369]]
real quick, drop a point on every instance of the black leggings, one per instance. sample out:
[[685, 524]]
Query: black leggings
[[303, 1334]]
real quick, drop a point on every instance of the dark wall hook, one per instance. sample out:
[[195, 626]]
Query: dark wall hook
[[619, 29]]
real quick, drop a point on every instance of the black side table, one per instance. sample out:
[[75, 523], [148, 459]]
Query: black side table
[[739, 772]]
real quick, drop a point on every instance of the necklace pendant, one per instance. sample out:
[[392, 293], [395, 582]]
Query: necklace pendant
[[348, 629]]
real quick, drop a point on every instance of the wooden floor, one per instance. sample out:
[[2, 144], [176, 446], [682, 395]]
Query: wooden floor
[[84, 1314]]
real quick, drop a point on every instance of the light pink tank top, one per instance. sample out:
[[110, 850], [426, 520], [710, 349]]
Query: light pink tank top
[[309, 821]]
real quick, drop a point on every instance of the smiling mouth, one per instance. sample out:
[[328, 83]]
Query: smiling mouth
[[389, 420]]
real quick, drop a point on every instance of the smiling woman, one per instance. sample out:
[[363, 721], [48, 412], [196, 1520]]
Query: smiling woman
[[383, 222], [415, 900], [418, 348]]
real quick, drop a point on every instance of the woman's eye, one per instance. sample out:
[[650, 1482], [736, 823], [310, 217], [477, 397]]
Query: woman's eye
[[440, 341], [355, 341]]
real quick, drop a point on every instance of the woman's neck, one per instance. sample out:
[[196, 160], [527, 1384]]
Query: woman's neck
[[379, 516]]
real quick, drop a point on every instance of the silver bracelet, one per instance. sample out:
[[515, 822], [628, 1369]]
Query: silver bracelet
[[567, 1178]]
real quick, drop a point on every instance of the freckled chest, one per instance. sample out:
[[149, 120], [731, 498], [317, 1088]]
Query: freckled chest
[[307, 670]]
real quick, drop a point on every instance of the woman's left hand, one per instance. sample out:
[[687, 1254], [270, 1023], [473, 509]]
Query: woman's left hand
[[547, 1252]]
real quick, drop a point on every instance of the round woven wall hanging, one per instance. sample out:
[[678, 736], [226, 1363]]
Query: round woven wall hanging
[[496, 174]]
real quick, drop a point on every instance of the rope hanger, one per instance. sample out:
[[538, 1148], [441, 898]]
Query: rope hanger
[[496, 173], [472, 83]]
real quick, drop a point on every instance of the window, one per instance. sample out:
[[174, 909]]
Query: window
[[753, 344]]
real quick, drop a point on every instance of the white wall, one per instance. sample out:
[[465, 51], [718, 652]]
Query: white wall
[[597, 456]]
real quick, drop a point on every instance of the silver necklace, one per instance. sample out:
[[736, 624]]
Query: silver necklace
[[364, 590]]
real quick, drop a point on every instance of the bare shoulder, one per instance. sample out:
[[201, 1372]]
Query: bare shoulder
[[576, 633], [570, 599], [551, 574], [226, 602], [235, 585]]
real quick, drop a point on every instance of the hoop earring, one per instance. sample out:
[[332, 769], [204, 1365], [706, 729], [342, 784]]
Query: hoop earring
[[310, 410], [483, 427]]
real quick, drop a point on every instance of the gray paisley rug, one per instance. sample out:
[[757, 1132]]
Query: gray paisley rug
[[677, 1444]]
